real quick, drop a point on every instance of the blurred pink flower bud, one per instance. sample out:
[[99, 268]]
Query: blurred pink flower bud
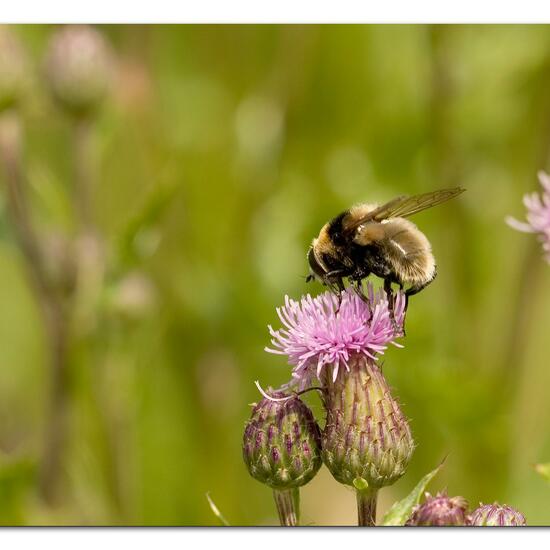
[[78, 68]]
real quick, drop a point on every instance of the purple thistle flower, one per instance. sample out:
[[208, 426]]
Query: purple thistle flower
[[439, 511], [538, 215], [329, 330]]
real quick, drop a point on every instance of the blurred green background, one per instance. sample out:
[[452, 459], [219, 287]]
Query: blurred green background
[[218, 154]]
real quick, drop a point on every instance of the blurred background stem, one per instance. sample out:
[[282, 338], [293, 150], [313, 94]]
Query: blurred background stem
[[50, 302], [91, 274], [57, 424], [83, 170]]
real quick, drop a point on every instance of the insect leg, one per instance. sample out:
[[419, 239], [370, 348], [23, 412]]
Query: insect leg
[[389, 293], [390, 296], [334, 275], [358, 284], [405, 308], [334, 280], [341, 288], [337, 286]]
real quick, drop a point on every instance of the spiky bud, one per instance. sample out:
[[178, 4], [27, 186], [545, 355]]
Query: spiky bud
[[13, 68], [367, 441], [78, 68], [282, 443], [439, 511], [497, 515]]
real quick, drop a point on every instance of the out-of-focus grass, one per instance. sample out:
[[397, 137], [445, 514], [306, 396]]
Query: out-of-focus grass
[[222, 151]]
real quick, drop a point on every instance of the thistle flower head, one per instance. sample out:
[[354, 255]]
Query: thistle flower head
[[327, 331], [78, 68], [538, 215], [497, 515], [439, 511], [282, 442], [367, 439]]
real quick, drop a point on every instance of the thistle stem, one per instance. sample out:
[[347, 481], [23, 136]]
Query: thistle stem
[[288, 506], [366, 507]]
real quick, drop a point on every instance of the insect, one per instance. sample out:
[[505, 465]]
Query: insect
[[380, 240]]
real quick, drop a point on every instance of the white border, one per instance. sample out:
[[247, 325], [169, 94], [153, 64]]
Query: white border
[[271, 11], [270, 539]]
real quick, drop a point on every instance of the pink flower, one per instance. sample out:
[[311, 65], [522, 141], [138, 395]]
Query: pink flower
[[439, 511], [325, 332], [538, 215]]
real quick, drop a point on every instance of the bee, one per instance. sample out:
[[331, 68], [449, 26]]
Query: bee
[[379, 240]]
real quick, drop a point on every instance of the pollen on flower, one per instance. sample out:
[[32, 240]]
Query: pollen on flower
[[326, 331], [538, 215]]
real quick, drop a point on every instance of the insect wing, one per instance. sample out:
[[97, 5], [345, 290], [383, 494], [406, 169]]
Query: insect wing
[[416, 203], [406, 205]]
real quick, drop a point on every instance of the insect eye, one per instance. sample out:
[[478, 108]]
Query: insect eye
[[314, 264]]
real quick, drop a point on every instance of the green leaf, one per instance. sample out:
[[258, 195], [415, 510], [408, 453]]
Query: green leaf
[[216, 511], [400, 512], [543, 470]]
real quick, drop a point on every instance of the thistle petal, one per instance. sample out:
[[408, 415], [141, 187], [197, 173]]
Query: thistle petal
[[538, 215], [328, 330]]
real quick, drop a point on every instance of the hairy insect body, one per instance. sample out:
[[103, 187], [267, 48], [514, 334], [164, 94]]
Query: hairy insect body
[[406, 252], [380, 240]]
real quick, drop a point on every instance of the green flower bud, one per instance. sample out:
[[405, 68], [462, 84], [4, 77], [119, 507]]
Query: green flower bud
[[497, 515], [13, 68], [367, 441], [78, 68], [282, 443], [439, 511]]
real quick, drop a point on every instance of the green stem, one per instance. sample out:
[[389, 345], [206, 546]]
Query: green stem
[[288, 506], [366, 507]]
